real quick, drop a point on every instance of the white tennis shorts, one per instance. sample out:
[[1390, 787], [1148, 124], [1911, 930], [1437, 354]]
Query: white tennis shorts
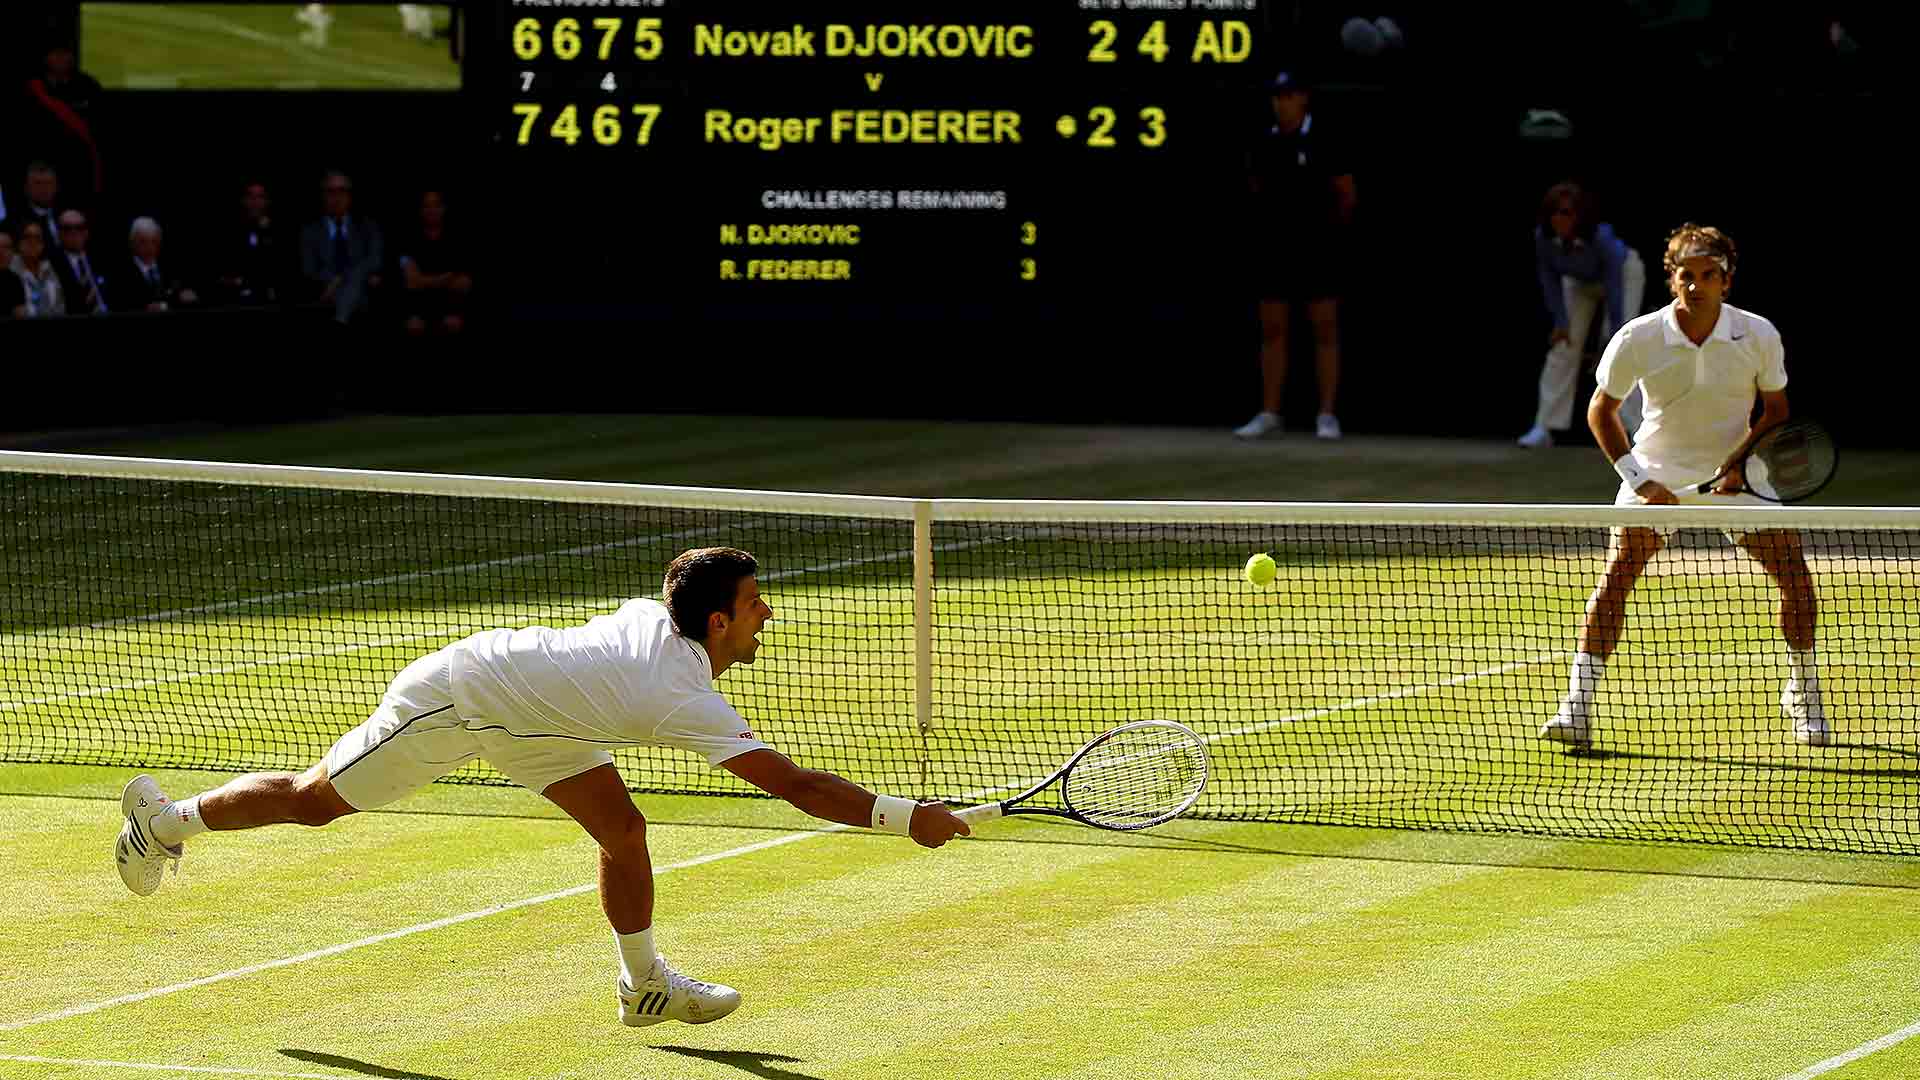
[[416, 736], [1682, 486]]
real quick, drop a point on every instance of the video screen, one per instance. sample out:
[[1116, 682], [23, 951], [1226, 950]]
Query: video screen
[[289, 46]]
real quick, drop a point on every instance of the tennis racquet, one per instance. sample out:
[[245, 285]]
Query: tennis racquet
[[1800, 459], [1134, 777]]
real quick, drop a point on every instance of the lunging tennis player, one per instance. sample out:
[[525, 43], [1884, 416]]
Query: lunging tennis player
[[544, 706], [1698, 361]]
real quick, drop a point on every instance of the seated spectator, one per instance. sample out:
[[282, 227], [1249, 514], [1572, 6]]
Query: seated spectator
[[148, 285], [35, 271], [251, 257], [437, 272], [85, 289], [42, 203], [13, 295], [341, 254]]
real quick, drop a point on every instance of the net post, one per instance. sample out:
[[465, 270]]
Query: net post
[[923, 630]]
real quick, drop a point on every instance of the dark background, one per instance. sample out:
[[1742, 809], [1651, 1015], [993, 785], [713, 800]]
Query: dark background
[[1738, 118]]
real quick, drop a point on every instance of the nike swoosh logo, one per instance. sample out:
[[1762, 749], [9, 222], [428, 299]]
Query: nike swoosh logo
[[1738, 337]]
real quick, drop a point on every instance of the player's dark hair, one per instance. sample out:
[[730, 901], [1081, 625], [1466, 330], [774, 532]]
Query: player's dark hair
[[702, 581], [1579, 200]]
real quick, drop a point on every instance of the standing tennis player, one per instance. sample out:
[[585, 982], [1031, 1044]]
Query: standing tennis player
[[544, 706], [1699, 361]]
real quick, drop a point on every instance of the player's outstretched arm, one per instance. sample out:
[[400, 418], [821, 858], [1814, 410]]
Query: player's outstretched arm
[[834, 798]]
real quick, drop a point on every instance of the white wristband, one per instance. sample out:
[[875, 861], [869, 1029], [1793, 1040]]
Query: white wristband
[[892, 815], [1631, 471]]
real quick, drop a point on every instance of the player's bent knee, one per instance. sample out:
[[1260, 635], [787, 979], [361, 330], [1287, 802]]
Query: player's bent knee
[[629, 844]]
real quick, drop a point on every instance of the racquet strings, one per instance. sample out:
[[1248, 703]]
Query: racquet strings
[[1800, 459], [1137, 777]]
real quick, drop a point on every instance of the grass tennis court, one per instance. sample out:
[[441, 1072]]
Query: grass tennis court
[[1200, 949]]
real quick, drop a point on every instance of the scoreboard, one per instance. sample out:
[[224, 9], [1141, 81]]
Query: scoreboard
[[822, 149]]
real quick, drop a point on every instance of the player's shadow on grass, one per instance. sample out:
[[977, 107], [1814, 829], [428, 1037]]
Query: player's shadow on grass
[[1838, 747], [744, 1060], [364, 1068]]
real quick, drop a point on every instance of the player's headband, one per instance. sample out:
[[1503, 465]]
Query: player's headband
[[1698, 252]]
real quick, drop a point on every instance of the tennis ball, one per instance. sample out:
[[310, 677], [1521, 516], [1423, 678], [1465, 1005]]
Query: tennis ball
[[1261, 569]]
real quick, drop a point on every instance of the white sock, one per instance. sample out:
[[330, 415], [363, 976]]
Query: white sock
[[636, 956], [1587, 669], [1800, 662], [179, 821]]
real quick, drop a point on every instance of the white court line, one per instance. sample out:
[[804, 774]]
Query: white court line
[[333, 950], [228, 669], [81, 1010], [391, 579], [288, 658], [420, 928], [151, 1067], [1858, 1052], [1359, 703]]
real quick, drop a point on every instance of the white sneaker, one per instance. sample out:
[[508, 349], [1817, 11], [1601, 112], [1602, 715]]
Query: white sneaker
[[1569, 725], [141, 856], [1537, 438], [668, 995], [1262, 424], [1327, 426], [1809, 716]]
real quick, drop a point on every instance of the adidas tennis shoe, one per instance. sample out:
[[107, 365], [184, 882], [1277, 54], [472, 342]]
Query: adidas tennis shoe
[[668, 995], [1570, 725], [1802, 705], [142, 858]]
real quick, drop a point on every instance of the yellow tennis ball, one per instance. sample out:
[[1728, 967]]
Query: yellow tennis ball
[[1261, 569]]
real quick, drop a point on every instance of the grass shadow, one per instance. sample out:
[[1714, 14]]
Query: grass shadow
[[1773, 766], [745, 1060], [364, 1068], [1201, 844]]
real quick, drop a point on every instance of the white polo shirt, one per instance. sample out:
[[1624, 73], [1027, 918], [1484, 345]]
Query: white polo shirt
[[627, 678], [1698, 397]]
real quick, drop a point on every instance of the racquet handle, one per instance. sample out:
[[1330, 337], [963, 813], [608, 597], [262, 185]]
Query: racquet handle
[[974, 814]]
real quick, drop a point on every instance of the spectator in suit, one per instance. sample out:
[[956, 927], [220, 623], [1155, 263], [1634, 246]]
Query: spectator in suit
[[35, 272], [342, 253], [148, 285], [13, 295], [437, 272], [85, 288], [41, 205], [252, 258]]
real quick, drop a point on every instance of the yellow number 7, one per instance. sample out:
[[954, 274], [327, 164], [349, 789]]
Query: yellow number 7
[[650, 113], [528, 114]]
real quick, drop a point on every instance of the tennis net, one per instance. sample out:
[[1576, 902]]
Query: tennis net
[[194, 615]]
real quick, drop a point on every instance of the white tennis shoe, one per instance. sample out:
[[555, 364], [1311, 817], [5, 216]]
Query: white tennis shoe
[[668, 995], [1570, 725], [142, 858], [1802, 705], [1262, 425]]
